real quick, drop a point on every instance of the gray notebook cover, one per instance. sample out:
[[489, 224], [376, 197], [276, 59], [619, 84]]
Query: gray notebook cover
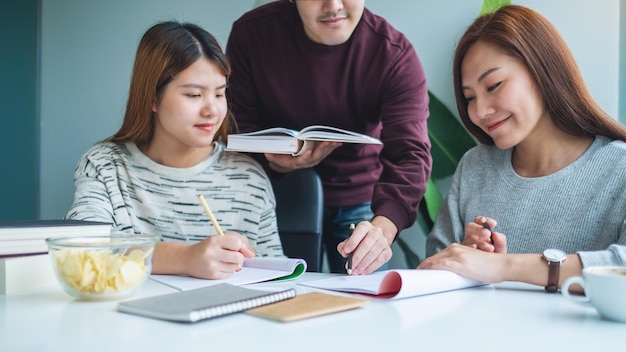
[[203, 303]]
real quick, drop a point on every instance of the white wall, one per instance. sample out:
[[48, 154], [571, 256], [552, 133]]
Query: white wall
[[87, 51], [592, 31]]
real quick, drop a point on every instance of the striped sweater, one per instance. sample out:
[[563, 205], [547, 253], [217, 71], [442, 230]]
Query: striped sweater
[[117, 183]]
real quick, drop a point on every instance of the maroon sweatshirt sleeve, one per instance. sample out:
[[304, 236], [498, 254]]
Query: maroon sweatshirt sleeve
[[406, 155]]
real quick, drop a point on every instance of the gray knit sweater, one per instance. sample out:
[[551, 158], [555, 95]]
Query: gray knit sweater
[[579, 209], [119, 184]]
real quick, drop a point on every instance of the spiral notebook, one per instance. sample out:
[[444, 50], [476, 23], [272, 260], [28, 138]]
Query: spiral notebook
[[203, 303]]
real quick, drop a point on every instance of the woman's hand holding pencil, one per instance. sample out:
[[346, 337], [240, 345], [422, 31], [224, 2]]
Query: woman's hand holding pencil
[[245, 250], [481, 234], [216, 257]]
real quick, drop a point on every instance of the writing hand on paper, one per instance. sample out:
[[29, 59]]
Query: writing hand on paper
[[469, 262], [477, 236], [311, 157], [369, 246], [217, 257]]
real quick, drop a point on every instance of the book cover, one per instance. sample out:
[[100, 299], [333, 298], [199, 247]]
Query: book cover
[[203, 303], [254, 270], [287, 141], [306, 306], [26, 272], [396, 284], [28, 237]]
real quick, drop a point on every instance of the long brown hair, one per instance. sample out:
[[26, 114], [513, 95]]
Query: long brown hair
[[527, 35], [165, 50]]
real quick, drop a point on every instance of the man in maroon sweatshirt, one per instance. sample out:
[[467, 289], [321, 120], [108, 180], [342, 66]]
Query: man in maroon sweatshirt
[[297, 63]]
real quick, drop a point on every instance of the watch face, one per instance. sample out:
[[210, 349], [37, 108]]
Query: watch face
[[554, 255]]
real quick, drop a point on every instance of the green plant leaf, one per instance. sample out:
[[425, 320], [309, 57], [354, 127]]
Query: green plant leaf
[[433, 199], [492, 5], [449, 142]]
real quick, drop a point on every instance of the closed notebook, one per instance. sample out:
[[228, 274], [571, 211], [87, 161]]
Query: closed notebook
[[307, 305], [203, 303]]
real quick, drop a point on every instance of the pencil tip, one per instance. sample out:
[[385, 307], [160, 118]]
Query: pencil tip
[[349, 271]]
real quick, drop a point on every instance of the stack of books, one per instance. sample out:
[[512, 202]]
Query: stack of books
[[24, 261]]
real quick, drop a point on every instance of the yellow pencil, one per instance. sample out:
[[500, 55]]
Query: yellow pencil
[[210, 215]]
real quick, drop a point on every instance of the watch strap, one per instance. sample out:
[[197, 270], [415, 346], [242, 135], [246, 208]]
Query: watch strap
[[554, 267]]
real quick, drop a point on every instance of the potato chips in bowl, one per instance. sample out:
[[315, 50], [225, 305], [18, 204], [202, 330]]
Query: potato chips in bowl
[[102, 267]]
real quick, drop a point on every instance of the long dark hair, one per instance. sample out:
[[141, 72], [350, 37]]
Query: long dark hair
[[165, 50], [527, 35]]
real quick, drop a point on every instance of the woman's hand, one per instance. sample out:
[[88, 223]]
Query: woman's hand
[[479, 237], [285, 163], [217, 257], [470, 262]]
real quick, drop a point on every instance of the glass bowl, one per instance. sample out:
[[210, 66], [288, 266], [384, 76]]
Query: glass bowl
[[101, 267]]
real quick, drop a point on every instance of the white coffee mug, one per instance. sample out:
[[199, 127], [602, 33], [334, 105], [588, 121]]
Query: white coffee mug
[[605, 290]]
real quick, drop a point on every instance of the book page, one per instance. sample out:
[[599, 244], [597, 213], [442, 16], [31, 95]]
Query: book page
[[272, 131], [254, 270], [396, 284], [328, 133], [282, 264], [280, 140]]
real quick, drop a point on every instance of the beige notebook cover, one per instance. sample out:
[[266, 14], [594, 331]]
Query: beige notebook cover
[[307, 305]]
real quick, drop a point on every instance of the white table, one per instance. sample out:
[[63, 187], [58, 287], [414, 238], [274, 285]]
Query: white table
[[504, 317]]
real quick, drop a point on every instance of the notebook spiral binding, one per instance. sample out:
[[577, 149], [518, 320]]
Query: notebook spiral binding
[[234, 307]]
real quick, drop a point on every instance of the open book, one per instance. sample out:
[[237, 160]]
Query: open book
[[203, 303], [396, 284], [254, 270], [280, 140]]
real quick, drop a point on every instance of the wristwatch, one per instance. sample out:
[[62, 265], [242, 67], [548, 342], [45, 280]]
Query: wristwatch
[[554, 257]]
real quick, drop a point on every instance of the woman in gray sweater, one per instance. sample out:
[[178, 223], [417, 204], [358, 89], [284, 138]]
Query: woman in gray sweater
[[550, 173]]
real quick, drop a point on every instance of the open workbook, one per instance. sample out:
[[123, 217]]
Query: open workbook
[[254, 270], [280, 140], [396, 284]]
